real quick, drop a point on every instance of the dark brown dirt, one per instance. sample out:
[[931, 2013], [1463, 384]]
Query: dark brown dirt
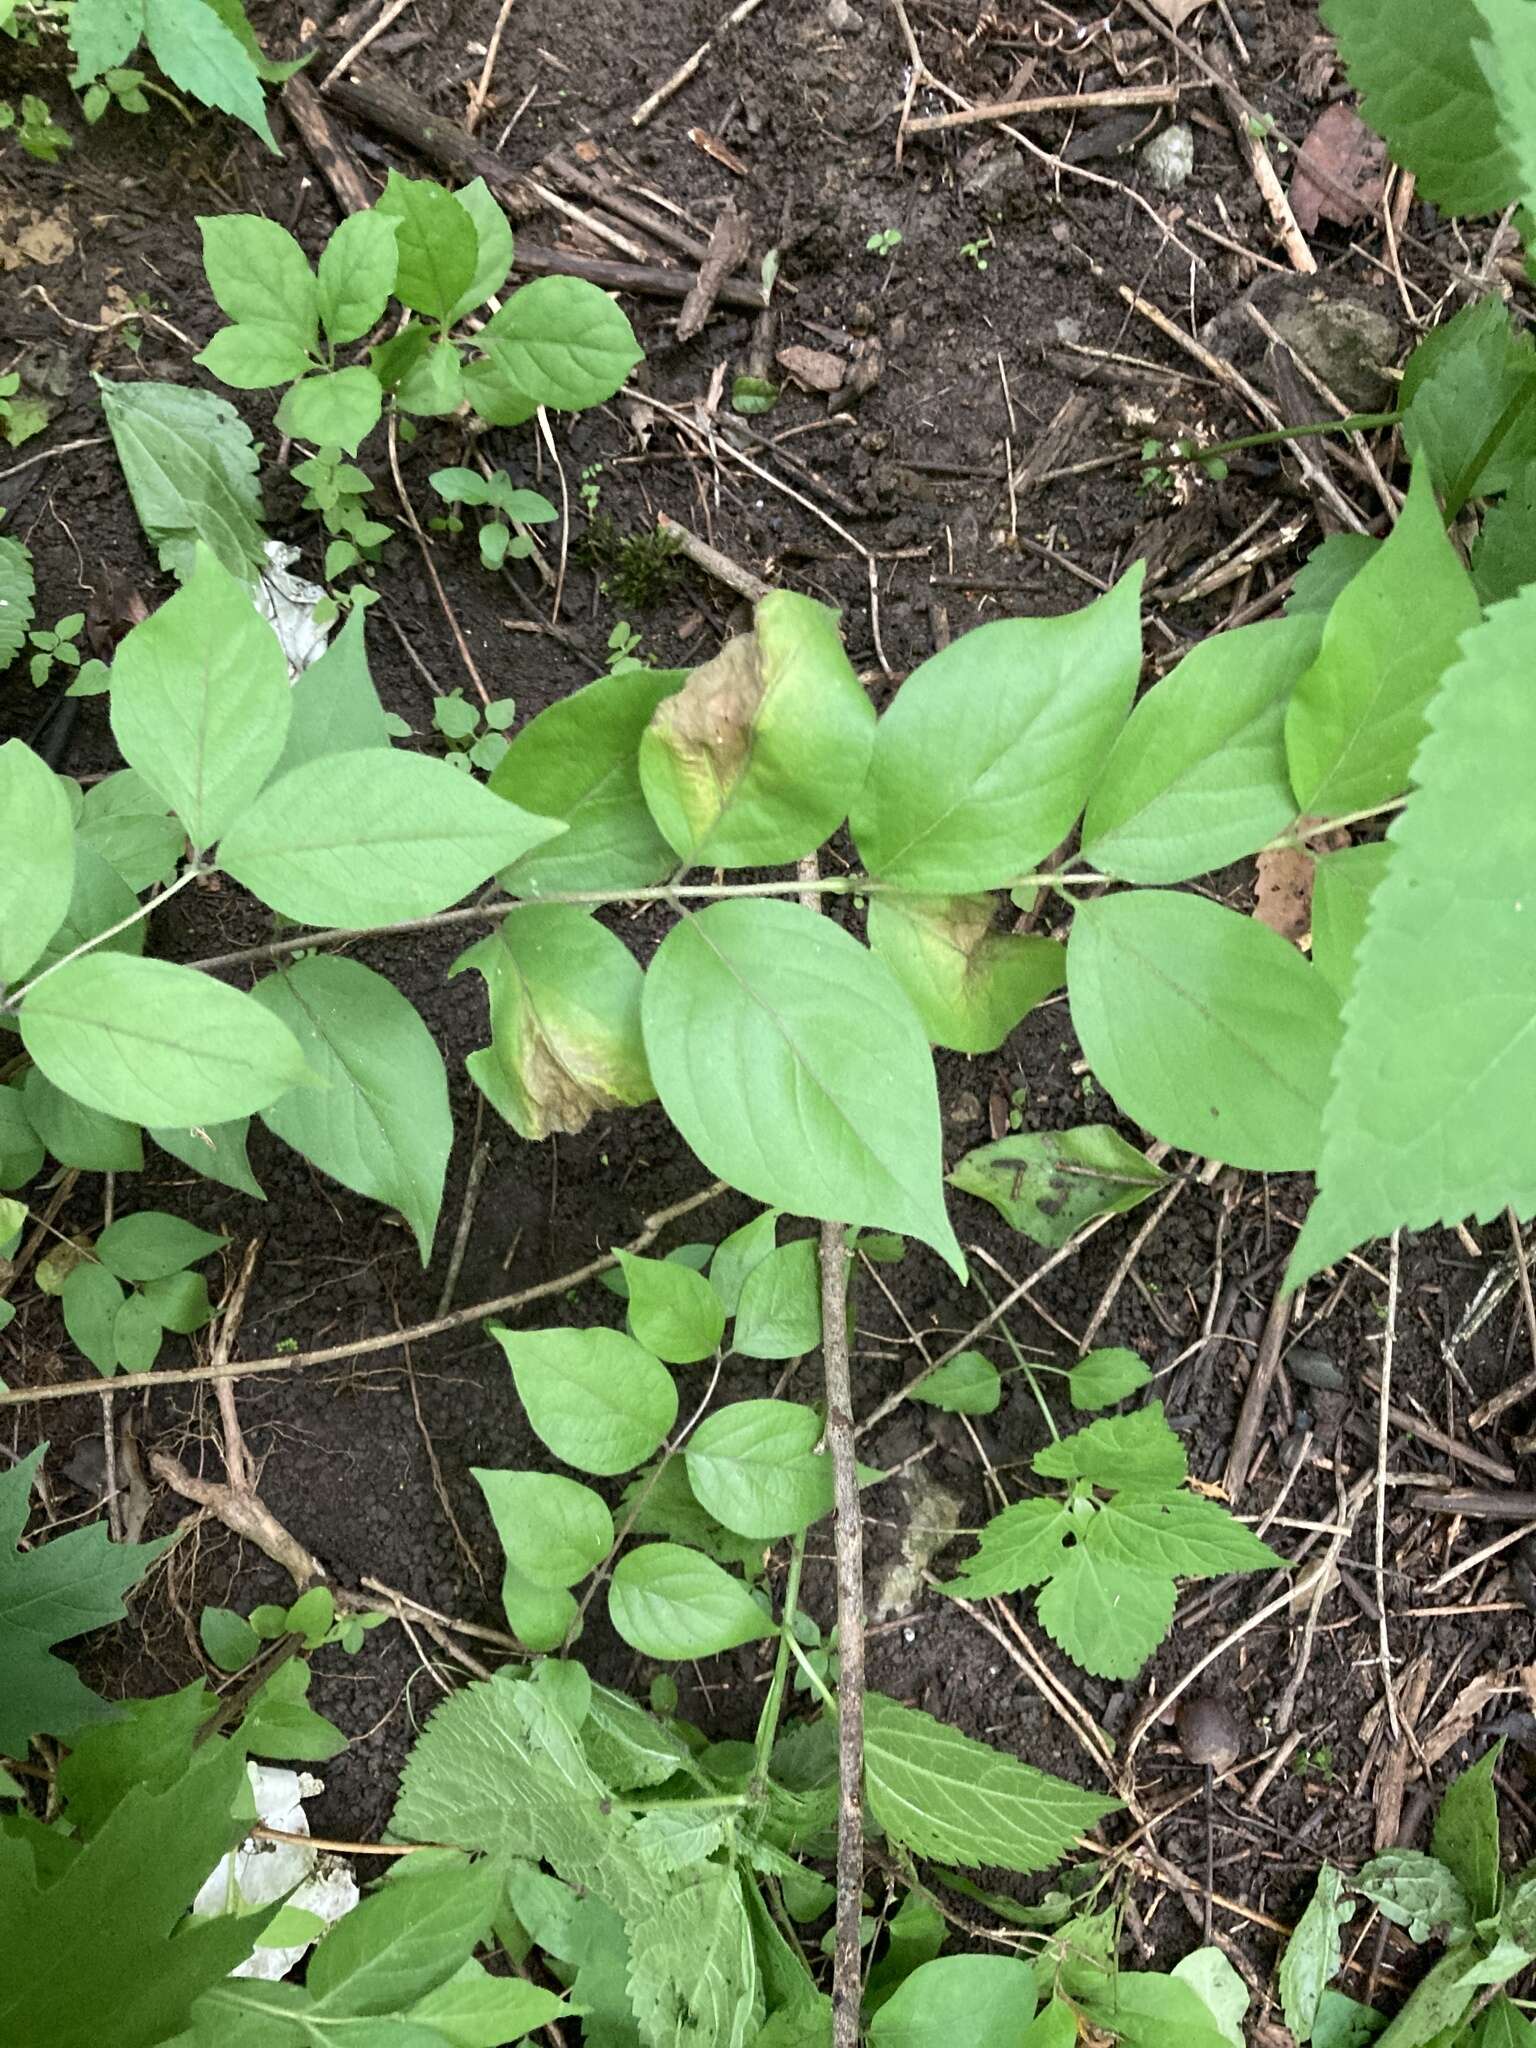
[[976, 364]]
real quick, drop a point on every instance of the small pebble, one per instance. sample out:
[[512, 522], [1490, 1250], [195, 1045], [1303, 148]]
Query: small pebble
[[1169, 157], [846, 20]]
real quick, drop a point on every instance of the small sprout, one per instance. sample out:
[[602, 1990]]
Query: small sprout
[[976, 250], [884, 242]]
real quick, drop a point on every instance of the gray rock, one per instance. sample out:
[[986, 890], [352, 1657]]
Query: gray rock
[[1347, 343], [1169, 157], [845, 20]]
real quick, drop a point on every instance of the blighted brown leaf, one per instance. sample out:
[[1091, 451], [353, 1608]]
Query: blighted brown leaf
[[1283, 891], [1339, 172], [707, 729], [813, 369], [30, 237]]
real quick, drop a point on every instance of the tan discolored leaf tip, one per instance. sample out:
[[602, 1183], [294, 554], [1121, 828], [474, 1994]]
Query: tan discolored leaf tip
[[707, 730]]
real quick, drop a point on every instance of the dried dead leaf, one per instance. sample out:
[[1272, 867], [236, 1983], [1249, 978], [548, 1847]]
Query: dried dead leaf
[[706, 730], [713, 146], [1339, 170], [45, 238], [1466, 1709], [1283, 891], [813, 369]]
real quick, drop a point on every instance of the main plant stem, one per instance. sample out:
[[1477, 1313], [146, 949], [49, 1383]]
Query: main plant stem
[[847, 1974]]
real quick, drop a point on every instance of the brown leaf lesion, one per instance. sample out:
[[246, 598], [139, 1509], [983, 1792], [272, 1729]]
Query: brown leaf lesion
[[709, 724]]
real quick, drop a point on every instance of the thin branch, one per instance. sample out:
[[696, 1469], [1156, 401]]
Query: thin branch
[[1383, 1415], [849, 1542]]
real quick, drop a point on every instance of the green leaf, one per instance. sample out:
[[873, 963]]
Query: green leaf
[[1197, 777], [1219, 1988], [48, 1594], [16, 594], [1256, 1028], [110, 1935], [1054, 2027], [968, 1385], [493, 239], [200, 55], [336, 709], [1426, 93], [132, 829], [357, 275], [90, 1301], [1025, 1545], [1438, 2004], [1344, 2023], [433, 385], [157, 1044], [473, 2009], [754, 1466], [216, 1150], [560, 342], [1466, 1837], [103, 34], [491, 392], [1182, 1534], [939, 1794], [190, 466], [1138, 1450], [673, 1311], [1456, 388], [1342, 887], [969, 982], [1417, 1127], [736, 1256], [37, 857], [577, 761], [988, 752], [1416, 1891], [1336, 560], [21, 1149], [228, 1638], [1357, 716], [278, 1723], [661, 1503], [438, 246], [179, 1302], [1313, 1955], [539, 1616], [257, 272], [671, 1603], [1105, 1377], [845, 1120], [627, 1747], [597, 1398], [1503, 2026], [373, 838], [779, 1312], [148, 1744], [564, 997], [553, 1530], [1145, 2010], [337, 408], [1504, 554], [1048, 1184], [75, 1135], [996, 1994], [1106, 1615], [200, 700], [380, 1121], [401, 1942], [756, 759], [152, 1245], [99, 900], [253, 356]]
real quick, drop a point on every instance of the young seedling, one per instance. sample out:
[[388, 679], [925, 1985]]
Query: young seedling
[[497, 494], [21, 415], [884, 241], [36, 130], [476, 738], [55, 649]]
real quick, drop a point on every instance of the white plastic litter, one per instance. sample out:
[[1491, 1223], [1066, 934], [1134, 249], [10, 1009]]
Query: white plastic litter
[[288, 603], [257, 1873]]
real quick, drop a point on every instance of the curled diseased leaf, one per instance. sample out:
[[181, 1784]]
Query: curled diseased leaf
[[565, 1021], [969, 982], [1050, 1183]]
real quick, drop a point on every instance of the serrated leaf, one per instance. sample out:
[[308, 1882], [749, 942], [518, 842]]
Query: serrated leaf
[[1357, 716], [743, 996], [996, 1994], [968, 1385], [560, 342], [693, 1971], [1255, 1027], [356, 275], [1416, 1129], [1182, 1534], [200, 702], [1048, 1184], [1313, 1954], [1023, 1546], [1106, 1615], [1466, 1836], [940, 1794], [566, 1043], [673, 1311], [1456, 387], [778, 1314], [1138, 1450], [1197, 777], [154, 1043], [577, 761], [37, 857], [190, 467], [598, 1399], [373, 837], [48, 1594], [437, 245], [988, 752], [1426, 93], [969, 982], [1417, 1892], [552, 1529], [16, 594], [626, 1746], [672, 1603], [198, 53], [754, 1466], [756, 759], [379, 1121], [1105, 1377]]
